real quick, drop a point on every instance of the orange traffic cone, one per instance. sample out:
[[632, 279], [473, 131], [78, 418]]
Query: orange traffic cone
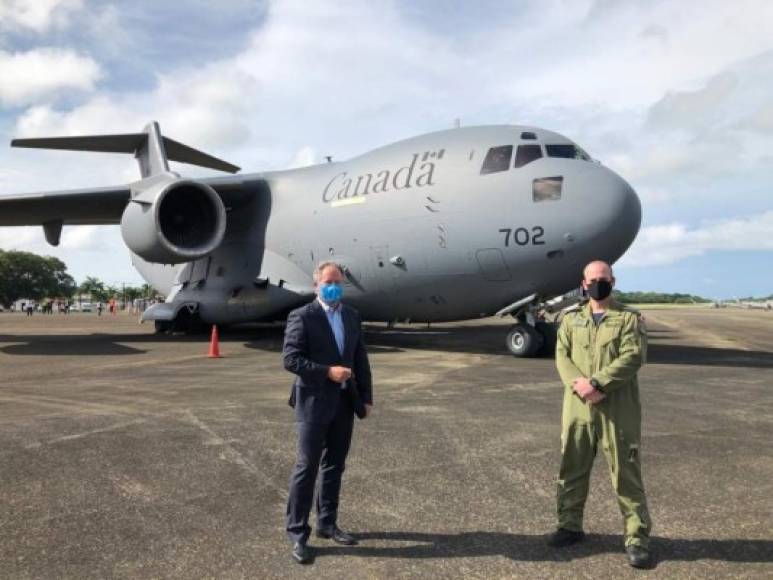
[[214, 343]]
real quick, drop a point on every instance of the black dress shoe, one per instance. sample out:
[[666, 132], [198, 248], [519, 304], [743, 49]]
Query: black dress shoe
[[301, 553], [338, 536], [638, 557], [563, 537]]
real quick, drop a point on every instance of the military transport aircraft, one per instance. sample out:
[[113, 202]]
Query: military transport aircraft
[[451, 225]]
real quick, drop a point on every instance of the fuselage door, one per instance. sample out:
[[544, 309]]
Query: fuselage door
[[492, 265]]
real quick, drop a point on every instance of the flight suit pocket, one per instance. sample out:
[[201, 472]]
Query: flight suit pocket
[[608, 339]]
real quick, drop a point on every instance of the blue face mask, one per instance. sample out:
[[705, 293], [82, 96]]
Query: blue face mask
[[330, 293]]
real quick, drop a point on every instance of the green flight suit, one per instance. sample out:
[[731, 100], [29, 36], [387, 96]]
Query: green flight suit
[[610, 352]]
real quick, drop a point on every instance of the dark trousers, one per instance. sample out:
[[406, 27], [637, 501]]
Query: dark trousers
[[320, 448]]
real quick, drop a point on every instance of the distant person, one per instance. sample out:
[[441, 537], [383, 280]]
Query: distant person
[[600, 348], [99, 309], [30, 309], [324, 348]]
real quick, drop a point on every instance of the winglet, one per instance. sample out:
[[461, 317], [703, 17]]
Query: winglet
[[149, 147]]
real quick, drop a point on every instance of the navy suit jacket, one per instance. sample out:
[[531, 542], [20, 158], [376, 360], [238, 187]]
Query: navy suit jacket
[[310, 350]]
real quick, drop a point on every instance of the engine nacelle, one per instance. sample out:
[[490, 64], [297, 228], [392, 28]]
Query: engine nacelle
[[174, 221]]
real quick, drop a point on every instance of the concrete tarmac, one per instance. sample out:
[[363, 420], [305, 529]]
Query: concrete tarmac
[[129, 455]]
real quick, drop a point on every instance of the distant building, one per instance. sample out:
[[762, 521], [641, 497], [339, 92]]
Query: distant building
[[22, 303]]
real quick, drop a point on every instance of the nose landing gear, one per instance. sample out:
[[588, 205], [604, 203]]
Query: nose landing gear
[[534, 334], [525, 340]]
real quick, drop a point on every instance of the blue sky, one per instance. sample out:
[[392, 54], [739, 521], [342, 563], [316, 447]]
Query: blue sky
[[674, 96]]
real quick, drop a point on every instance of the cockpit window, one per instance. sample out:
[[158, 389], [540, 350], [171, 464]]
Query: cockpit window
[[567, 152], [497, 159], [526, 154], [547, 188]]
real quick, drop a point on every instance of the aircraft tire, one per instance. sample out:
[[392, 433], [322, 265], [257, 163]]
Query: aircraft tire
[[162, 326], [188, 323], [523, 340]]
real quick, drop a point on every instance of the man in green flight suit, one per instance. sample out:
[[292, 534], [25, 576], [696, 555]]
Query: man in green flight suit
[[601, 346]]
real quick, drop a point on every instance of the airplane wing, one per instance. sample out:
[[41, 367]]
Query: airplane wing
[[103, 205], [95, 206]]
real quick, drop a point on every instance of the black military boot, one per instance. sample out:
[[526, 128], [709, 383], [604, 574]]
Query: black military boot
[[563, 537], [638, 557]]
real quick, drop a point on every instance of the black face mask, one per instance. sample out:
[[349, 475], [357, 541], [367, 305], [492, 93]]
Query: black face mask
[[600, 289]]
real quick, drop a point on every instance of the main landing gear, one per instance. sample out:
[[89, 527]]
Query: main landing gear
[[187, 321]]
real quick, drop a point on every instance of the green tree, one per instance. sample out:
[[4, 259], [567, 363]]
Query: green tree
[[94, 287], [148, 291], [112, 292], [27, 275], [132, 293]]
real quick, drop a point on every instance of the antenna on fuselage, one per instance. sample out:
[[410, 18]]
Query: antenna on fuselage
[[329, 158]]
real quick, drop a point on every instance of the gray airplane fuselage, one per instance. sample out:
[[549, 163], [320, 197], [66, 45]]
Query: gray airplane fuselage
[[423, 233]]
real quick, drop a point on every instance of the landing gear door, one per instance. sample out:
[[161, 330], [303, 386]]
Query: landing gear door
[[200, 270], [183, 274], [194, 272]]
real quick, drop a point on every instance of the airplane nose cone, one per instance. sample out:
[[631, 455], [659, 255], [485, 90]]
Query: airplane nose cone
[[627, 222], [611, 213]]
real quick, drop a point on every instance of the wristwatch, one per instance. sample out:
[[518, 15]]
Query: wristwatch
[[596, 385]]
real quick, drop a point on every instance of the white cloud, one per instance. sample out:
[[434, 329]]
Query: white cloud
[[37, 15], [621, 55], [304, 157], [95, 117], [297, 83], [667, 244], [87, 251], [43, 73]]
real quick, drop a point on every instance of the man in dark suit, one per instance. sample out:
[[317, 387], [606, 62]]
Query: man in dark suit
[[324, 348]]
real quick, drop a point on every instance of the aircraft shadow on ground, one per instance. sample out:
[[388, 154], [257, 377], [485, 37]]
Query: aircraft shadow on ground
[[69, 345], [676, 354], [533, 548], [486, 340]]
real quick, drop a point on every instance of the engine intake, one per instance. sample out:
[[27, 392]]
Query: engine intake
[[174, 221]]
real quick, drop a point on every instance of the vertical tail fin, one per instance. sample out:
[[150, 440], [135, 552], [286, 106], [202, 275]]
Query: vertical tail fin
[[151, 154]]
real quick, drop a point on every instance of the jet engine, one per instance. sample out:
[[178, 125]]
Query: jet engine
[[173, 221]]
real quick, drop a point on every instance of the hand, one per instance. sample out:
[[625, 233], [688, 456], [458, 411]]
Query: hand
[[582, 387], [368, 410], [339, 374], [595, 397]]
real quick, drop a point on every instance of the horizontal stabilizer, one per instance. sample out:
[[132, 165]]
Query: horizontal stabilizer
[[176, 151], [127, 143], [134, 143]]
